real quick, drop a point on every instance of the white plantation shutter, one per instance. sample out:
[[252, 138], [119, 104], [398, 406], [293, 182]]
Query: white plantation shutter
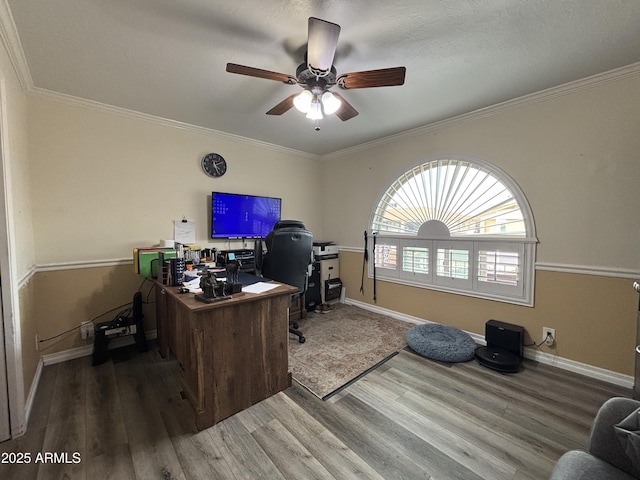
[[457, 224], [415, 259], [467, 198]]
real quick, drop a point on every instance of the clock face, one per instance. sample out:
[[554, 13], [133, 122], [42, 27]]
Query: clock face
[[214, 165]]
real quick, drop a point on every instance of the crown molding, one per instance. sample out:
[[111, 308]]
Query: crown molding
[[10, 37], [9, 34], [515, 103], [132, 114]]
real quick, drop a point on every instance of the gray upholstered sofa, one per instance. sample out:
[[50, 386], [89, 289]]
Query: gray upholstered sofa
[[614, 446]]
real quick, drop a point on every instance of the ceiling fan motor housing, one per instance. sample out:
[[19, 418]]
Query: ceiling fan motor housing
[[308, 78]]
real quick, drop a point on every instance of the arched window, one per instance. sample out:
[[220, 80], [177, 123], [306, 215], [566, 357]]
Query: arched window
[[459, 225]]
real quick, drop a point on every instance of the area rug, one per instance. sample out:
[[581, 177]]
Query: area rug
[[341, 346]]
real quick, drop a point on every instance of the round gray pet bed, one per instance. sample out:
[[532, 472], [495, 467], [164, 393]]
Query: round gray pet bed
[[441, 342]]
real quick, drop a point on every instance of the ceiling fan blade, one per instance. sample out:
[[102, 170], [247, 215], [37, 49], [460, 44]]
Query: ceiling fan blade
[[283, 106], [346, 111], [385, 77], [258, 72], [321, 44]]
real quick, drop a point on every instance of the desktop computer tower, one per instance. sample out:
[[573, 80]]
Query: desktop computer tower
[[312, 296]]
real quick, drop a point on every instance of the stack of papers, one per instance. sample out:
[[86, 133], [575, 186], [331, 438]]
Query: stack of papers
[[259, 287], [193, 285]]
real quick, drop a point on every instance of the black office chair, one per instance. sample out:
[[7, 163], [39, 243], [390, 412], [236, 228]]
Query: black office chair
[[289, 248]]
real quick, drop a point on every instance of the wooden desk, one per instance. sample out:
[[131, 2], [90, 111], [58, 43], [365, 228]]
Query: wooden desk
[[233, 353]]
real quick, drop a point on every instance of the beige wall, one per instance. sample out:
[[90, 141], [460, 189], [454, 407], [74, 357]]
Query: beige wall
[[16, 169], [105, 183], [28, 329], [87, 186], [16, 242], [66, 298], [594, 315], [576, 157], [97, 179]]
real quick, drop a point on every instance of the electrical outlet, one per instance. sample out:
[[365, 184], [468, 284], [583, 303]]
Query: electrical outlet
[[548, 336], [86, 330]]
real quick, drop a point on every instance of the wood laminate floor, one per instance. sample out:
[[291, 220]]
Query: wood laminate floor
[[411, 418]]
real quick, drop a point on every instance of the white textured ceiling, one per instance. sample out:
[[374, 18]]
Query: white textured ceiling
[[167, 58]]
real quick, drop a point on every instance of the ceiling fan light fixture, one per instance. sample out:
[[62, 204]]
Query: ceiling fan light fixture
[[303, 101], [317, 75], [315, 111], [330, 103]]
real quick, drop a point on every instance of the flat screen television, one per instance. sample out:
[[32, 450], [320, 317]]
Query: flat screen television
[[243, 216]]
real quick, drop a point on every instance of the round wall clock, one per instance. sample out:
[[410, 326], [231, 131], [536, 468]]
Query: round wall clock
[[214, 165]]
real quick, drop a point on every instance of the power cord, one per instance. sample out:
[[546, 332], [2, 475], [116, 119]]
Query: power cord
[[538, 345], [544, 340], [83, 323], [123, 312]]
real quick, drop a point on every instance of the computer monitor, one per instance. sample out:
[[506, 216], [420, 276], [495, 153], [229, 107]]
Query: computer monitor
[[243, 216]]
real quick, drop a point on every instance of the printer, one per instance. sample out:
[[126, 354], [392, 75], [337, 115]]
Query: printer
[[324, 250]]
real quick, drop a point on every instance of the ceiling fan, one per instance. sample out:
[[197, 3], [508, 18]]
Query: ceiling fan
[[317, 75]]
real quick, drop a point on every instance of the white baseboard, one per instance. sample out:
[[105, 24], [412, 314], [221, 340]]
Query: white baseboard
[[385, 311], [587, 370], [87, 350], [32, 395]]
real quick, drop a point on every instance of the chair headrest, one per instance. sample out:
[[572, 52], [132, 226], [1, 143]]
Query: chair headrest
[[288, 224]]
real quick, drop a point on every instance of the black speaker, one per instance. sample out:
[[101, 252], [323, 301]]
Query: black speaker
[[504, 350]]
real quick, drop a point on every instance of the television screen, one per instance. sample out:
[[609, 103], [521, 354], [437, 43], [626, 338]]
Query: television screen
[[243, 216]]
